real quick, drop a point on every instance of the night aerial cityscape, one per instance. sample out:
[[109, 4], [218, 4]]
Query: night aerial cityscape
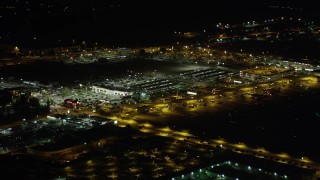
[[114, 89]]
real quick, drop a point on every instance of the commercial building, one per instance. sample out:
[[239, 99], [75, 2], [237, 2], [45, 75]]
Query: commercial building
[[111, 91]]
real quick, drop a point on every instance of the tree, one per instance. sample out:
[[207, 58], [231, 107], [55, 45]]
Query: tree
[[142, 53], [5, 97], [163, 49], [34, 102], [48, 105]]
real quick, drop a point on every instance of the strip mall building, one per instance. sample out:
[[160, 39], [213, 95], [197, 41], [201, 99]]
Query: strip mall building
[[108, 91]]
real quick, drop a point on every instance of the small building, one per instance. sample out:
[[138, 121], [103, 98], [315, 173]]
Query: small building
[[72, 103]]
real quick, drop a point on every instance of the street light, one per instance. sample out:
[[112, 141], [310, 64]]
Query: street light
[[16, 50]]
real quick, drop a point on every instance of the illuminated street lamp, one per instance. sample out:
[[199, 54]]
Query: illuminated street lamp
[[16, 50]]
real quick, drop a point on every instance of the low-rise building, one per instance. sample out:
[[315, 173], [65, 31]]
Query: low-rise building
[[111, 91]]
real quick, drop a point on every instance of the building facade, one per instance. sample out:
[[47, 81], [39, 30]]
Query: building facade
[[107, 91]]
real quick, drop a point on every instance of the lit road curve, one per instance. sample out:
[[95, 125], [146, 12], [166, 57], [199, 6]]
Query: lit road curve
[[240, 148]]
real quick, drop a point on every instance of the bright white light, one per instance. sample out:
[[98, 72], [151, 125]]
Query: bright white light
[[191, 93]]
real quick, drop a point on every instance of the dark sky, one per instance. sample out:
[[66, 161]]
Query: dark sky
[[88, 18]]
